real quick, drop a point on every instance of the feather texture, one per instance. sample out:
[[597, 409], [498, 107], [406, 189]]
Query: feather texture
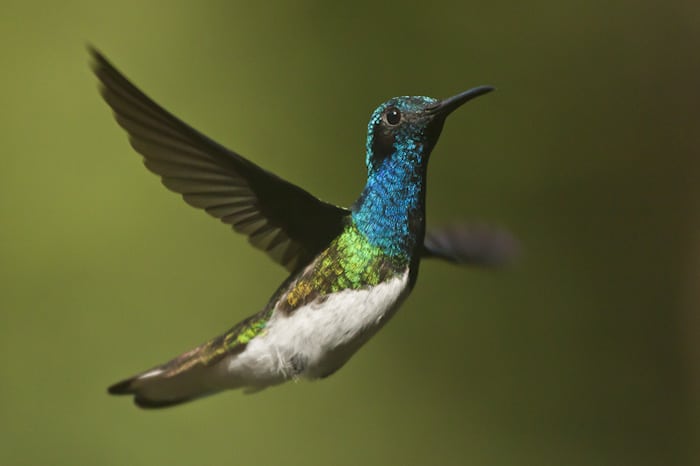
[[285, 221]]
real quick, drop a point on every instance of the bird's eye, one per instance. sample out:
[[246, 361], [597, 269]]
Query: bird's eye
[[393, 116]]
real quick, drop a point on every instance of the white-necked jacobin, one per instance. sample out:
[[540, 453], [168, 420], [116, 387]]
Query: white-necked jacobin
[[350, 269]]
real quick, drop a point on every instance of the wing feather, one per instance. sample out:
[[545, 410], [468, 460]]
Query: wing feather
[[290, 224], [469, 244]]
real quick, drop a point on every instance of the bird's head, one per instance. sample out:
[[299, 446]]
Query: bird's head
[[408, 127]]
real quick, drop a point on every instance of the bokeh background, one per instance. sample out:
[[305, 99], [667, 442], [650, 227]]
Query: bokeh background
[[585, 352]]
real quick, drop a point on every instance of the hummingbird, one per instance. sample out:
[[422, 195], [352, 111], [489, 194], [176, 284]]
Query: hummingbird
[[349, 269]]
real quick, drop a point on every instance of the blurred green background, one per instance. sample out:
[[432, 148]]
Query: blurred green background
[[586, 352]]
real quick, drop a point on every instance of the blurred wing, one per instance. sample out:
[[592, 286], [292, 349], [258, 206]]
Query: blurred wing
[[470, 244], [278, 217]]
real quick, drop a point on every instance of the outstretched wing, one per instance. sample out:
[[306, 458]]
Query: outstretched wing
[[278, 217], [463, 243]]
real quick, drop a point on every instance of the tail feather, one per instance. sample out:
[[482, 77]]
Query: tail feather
[[156, 389], [146, 403], [193, 374], [123, 387], [189, 376]]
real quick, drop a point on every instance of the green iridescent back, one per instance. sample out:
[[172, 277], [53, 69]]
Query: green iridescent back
[[350, 262]]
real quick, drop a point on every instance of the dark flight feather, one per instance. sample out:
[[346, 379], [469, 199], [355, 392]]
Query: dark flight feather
[[464, 243], [285, 221]]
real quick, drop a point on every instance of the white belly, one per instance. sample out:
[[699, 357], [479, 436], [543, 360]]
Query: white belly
[[315, 339]]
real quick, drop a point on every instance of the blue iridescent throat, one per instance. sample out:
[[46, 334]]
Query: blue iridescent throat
[[390, 211]]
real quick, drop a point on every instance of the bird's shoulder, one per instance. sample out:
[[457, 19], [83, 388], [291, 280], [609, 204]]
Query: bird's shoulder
[[350, 262]]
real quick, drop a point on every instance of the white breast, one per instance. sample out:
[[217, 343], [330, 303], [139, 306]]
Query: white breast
[[318, 338]]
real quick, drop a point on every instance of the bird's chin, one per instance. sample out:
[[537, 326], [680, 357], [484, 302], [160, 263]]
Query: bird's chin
[[434, 130]]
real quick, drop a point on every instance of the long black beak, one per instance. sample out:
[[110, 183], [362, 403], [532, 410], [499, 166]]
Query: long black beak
[[449, 105]]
